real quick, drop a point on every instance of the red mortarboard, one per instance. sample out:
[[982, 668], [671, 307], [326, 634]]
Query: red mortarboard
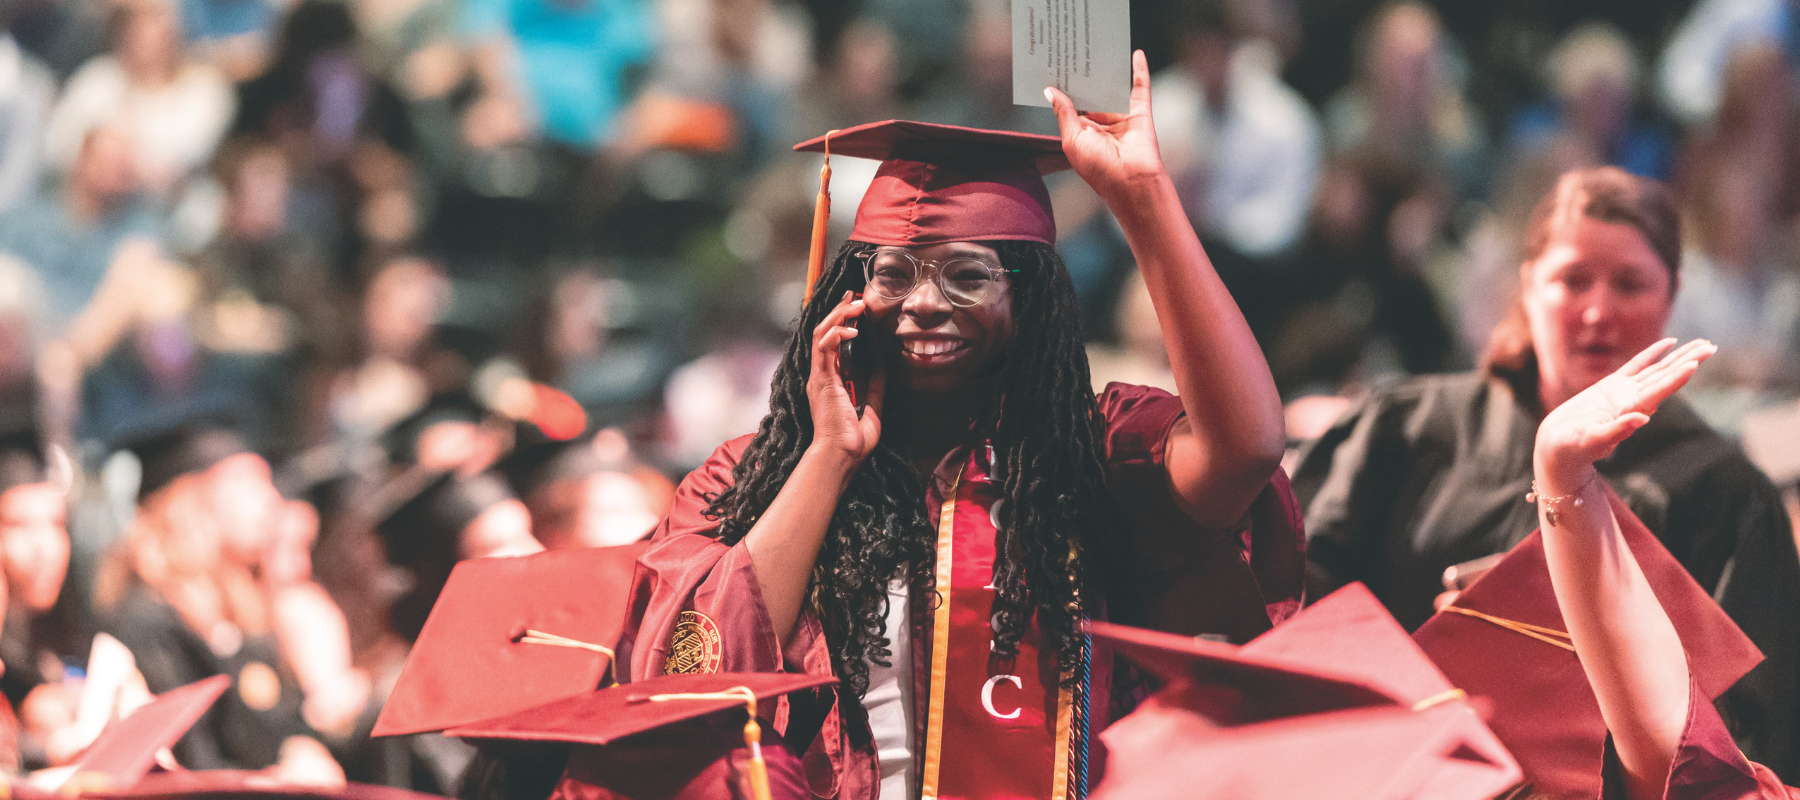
[[1240, 723], [664, 738], [490, 646], [126, 750], [944, 183], [224, 783], [1543, 708]]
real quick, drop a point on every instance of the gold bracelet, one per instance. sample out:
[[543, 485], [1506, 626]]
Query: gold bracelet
[[1552, 506]]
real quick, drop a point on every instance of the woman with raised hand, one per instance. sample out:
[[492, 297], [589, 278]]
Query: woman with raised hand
[[1668, 742]]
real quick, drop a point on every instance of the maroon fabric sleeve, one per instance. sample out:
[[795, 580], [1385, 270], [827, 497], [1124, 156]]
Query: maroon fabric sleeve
[[1707, 766], [1195, 580], [686, 570]]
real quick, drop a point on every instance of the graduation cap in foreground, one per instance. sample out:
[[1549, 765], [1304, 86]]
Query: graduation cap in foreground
[[941, 183], [126, 750], [1504, 639], [221, 784], [511, 633], [671, 737], [1377, 722]]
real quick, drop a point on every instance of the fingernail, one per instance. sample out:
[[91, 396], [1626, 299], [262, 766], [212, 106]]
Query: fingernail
[[1048, 96]]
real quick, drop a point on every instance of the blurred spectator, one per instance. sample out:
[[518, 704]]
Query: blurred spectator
[[47, 628], [72, 234], [1739, 287], [174, 109], [26, 90], [552, 67], [607, 342], [1594, 76], [179, 595], [64, 33], [1406, 103], [1242, 146], [724, 392], [1691, 75], [1141, 356], [402, 302], [310, 630], [233, 35], [316, 99], [588, 491], [749, 55], [979, 93], [440, 518]]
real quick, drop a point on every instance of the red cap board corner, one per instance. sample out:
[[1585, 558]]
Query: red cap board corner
[[475, 659]]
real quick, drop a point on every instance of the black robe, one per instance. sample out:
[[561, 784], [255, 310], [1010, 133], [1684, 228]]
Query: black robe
[[1429, 472]]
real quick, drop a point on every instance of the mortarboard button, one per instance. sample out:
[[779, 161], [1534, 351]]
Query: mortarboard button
[[126, 750], [671, 737], [490, 646], [945, 183], [1504, 639]]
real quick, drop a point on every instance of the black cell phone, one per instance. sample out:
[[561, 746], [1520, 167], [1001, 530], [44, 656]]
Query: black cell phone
[[856, 361]]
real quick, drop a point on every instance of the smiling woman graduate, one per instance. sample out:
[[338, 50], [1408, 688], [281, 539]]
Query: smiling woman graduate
[[937, 544]]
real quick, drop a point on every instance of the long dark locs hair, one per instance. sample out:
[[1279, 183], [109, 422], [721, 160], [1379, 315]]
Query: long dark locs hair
[[1047, 453]]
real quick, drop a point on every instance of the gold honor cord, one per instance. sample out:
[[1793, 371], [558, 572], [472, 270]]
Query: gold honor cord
[[940, 646], [759, 770], [540, 637], [1538, 632]]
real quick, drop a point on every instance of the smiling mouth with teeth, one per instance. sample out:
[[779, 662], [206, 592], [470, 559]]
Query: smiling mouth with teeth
[[932, 347]]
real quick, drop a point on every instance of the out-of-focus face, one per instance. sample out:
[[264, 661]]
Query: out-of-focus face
[[502, 530], [402, 304], [106, 166], [289, 559], [34, 540], [1597, 296], [247, 504], [150, 44], [934, 346]]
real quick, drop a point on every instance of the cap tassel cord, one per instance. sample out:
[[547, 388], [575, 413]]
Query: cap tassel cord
[[1447, 696], [540, 637], [759, 771], [1538, 632], [815, 258]]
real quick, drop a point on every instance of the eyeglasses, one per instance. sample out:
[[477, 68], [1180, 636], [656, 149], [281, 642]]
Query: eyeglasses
[[893, 273]]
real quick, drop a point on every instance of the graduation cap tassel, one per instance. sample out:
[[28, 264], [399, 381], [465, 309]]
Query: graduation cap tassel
[[815, 258], [759, 769]]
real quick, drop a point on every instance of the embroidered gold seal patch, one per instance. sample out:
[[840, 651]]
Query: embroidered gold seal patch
[[695, 647]]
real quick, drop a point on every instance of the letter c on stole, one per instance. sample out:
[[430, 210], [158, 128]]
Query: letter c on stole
[[987, 695]]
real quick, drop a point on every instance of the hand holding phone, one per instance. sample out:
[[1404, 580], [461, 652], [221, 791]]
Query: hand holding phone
[[856, 360]]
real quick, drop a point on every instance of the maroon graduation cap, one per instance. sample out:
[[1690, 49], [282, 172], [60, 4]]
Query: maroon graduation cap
[[1337, 702], [671, 737], [1504, 639], [126, 750], [511, 633], [946, 183]]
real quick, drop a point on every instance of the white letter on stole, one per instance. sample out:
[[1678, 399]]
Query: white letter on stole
[[987, 695]]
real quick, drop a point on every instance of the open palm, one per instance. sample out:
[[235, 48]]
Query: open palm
[[1589, 425], [1110, 151]]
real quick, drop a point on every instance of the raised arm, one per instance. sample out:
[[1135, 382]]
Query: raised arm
[[1222, 454], [1629, 649]]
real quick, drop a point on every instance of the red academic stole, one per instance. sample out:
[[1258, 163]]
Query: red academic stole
[[998, 728]]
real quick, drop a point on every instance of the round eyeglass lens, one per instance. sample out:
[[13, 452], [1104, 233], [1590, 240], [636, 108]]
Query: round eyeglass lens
[[964, 281]]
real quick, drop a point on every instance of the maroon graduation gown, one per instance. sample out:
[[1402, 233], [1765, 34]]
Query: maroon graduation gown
[[1708, 764], [1191, 580]]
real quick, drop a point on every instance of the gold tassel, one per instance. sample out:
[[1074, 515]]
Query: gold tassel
[[815, 258], [759, 770]]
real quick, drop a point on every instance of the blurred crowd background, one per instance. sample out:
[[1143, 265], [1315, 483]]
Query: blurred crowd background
[[308, 299]]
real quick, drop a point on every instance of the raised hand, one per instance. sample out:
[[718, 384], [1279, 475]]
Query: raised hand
[[1589, 425], [1111, 151], [836, 422]]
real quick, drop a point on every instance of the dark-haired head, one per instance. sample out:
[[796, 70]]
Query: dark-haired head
[[1601, 260], [1047, 453]]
